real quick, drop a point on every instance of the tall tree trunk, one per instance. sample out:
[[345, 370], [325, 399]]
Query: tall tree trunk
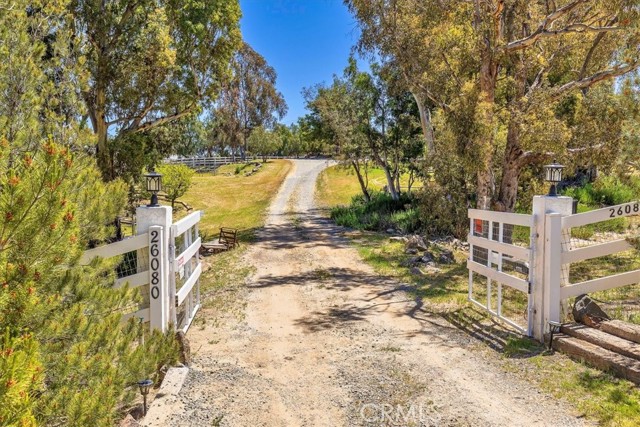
[[425, 123], [101, 130], [410, 181], [390, 182], [488, 40], [512, 163], [484, 142], [511, 167], [363, 185]]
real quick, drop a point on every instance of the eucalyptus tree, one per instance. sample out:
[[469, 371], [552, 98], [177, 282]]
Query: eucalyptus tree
[[263, 142], [370, 118], [249, 99], [335, 116], [149, 63], [315, 137], [500, 72]]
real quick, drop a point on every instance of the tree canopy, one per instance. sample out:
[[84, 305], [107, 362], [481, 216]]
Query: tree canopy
[[149, 63], [506, 81], [247, 101]]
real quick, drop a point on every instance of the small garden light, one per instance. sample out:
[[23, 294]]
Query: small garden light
[[145, 386], [154, 185], [553, 174], [554, 328]]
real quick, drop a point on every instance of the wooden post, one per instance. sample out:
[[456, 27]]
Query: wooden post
[[553, 267], [541, 310], [157, 222], [158, 289], [537, 267]]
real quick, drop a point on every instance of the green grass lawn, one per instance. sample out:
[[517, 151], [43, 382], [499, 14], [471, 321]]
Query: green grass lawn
[[337, 185], [234, 200]]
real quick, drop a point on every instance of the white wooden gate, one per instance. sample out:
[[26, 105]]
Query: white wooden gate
[[576, 250], [533, 255], [185, 271], [499, 260]]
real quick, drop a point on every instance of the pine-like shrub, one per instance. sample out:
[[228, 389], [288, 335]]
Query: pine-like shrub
[[66, 359]]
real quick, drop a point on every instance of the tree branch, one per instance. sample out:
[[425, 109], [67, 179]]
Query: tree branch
[[138, 119], [126, 15], [166, 119], [581, 28], [592, 49], [541, 31], [595, 78]]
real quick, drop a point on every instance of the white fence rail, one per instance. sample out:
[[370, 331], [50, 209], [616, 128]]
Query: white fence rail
[[572, 255], [118, 248], [205, 163], [212, 163], [132, 250]]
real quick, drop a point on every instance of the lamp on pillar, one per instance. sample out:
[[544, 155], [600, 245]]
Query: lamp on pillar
[[553, 174], [154, 185]]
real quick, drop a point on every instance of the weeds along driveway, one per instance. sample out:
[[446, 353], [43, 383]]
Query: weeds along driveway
[[321, 340]]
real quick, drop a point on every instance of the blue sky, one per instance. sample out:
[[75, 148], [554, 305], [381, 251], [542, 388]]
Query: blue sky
[[306, 41]]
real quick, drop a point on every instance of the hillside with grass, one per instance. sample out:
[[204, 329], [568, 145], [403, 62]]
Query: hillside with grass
[[230, 199]]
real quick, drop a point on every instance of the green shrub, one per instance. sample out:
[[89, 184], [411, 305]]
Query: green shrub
[[606, 191], [176, 180], [444, 212], [407, 221], [379, 213]]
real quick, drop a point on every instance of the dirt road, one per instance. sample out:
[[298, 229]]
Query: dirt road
[[324, 341]]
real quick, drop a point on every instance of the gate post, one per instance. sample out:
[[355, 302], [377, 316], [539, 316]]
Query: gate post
[[553, 267], [543, 205], [157, 222]]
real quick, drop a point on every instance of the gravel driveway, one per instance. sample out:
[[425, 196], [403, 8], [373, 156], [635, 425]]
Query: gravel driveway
[[321, 340]]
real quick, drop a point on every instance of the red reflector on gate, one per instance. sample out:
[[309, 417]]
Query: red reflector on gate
[[477, 226]]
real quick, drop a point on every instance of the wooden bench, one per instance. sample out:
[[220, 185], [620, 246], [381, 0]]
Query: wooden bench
[[228, 239]]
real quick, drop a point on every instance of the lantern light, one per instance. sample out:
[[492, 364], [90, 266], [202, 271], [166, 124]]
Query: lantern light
[[553, 174], [154, 185], [145, 386]]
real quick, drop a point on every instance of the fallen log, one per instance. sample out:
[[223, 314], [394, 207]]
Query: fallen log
[[621, 329], [603, 339]]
